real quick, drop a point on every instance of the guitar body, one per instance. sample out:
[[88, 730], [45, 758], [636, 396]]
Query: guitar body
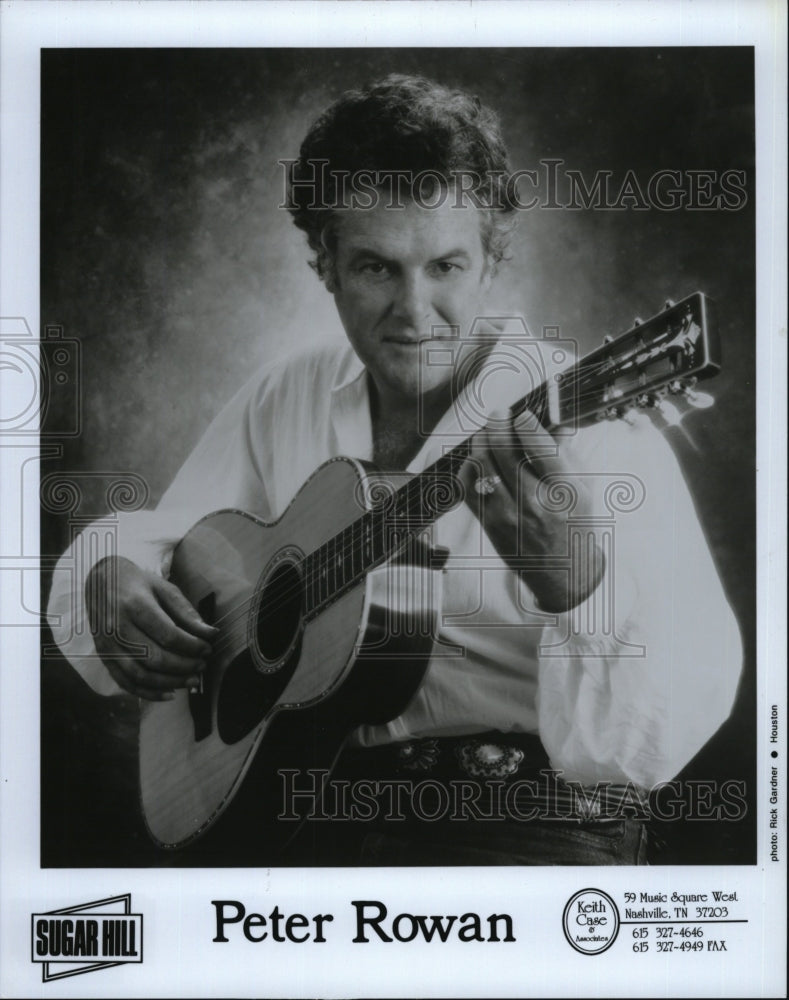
[[288, 681], [327, 617]]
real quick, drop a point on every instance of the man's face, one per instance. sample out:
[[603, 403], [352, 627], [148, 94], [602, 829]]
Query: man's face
[[405, 279]]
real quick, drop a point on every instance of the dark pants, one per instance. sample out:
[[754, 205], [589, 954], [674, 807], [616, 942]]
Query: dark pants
[[484, 800], [542, 842]]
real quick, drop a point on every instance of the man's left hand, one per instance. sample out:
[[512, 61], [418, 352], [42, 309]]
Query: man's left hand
[[509, 459]]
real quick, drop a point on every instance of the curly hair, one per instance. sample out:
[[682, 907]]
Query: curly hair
[[397, 133]]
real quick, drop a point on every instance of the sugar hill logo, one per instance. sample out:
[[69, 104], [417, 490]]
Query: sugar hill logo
[[86, 937], [591, 921]]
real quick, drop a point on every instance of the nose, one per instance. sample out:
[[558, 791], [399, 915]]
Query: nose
[[411, 303]]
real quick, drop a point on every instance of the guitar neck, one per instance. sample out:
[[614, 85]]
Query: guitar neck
[[667, 353], [398, 516]]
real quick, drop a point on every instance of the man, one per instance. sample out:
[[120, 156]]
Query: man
[[404, 193]]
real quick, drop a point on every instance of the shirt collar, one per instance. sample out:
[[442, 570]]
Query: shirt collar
[[512, 369], [511, 330], [349, 370]]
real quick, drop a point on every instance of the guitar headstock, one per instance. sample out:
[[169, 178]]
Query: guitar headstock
[[665, 355]]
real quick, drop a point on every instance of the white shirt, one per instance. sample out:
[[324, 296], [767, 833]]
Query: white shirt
[[626, 687]]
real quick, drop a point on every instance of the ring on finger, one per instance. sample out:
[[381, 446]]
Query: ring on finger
[[486, 485]]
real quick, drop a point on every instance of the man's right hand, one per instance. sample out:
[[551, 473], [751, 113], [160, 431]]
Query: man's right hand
[[128, 606]]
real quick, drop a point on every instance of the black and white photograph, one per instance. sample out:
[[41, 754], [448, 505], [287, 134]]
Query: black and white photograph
[[391, 460], [514, 290]]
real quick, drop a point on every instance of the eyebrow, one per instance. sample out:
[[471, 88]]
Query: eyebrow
[[362, 252], [458, 252]]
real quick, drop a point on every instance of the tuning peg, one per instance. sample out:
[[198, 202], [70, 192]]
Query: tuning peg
[[673, 419], [629, 415], [650, 400], [637, 321], [699, 400], [669, 303], [668, 412]]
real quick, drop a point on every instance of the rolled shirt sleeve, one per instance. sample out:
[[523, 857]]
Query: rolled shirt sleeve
[[628, 686], [633, 682], [221, 472], [146, 538]]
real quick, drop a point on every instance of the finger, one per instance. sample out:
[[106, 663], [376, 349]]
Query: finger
[[503, 462], [493, 466], [136, 676], [150, 695], [490, 496], [181, 610], [526, 425], [149, 616], [472, 471], [162, 661], [537, 447], [126, 681]]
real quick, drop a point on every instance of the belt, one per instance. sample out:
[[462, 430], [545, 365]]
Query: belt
[[482, 755], [492, 775]]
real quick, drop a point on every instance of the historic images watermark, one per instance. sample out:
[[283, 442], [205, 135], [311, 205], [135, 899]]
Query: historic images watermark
[[315, 796], [551, 185]]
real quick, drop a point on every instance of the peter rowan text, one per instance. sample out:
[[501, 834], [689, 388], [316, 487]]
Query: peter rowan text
[[373, 922]]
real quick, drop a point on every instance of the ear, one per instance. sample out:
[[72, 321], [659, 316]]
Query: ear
[[488, 273], [326, 262]]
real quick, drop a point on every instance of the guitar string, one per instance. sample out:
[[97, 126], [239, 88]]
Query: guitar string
[[324, 567], [579, 373], [327, 567], [375, 530], [308, 579], [376, 540]]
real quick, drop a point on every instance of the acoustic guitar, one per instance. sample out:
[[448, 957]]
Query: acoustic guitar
[[327, 617]]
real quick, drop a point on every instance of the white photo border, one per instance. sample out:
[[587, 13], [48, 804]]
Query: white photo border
[[180, 959]]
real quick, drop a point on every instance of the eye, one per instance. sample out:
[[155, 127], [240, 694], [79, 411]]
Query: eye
[[446, 267], [375, 268]]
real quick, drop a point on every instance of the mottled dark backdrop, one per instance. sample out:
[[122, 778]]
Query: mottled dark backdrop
[[164, 253]]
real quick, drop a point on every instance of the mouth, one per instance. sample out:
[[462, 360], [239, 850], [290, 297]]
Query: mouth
[[416, 341]]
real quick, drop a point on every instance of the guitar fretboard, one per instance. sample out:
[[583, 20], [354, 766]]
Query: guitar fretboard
[[398, 516], [676, 344]]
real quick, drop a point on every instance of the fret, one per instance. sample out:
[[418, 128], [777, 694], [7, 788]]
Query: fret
[[379, 540], [667, 353], [339, 559], [331, 563], [346, 565], [323, 575], [315, 588], [311, 582], [417, 508], [379, 533], [354, 547], [368, 546], [305, 585]]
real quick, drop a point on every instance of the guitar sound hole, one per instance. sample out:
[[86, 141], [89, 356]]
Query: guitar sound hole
[[280, 612]]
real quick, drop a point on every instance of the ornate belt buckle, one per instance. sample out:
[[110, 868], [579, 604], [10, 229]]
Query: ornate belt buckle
[[418, 755], [481, 759]]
